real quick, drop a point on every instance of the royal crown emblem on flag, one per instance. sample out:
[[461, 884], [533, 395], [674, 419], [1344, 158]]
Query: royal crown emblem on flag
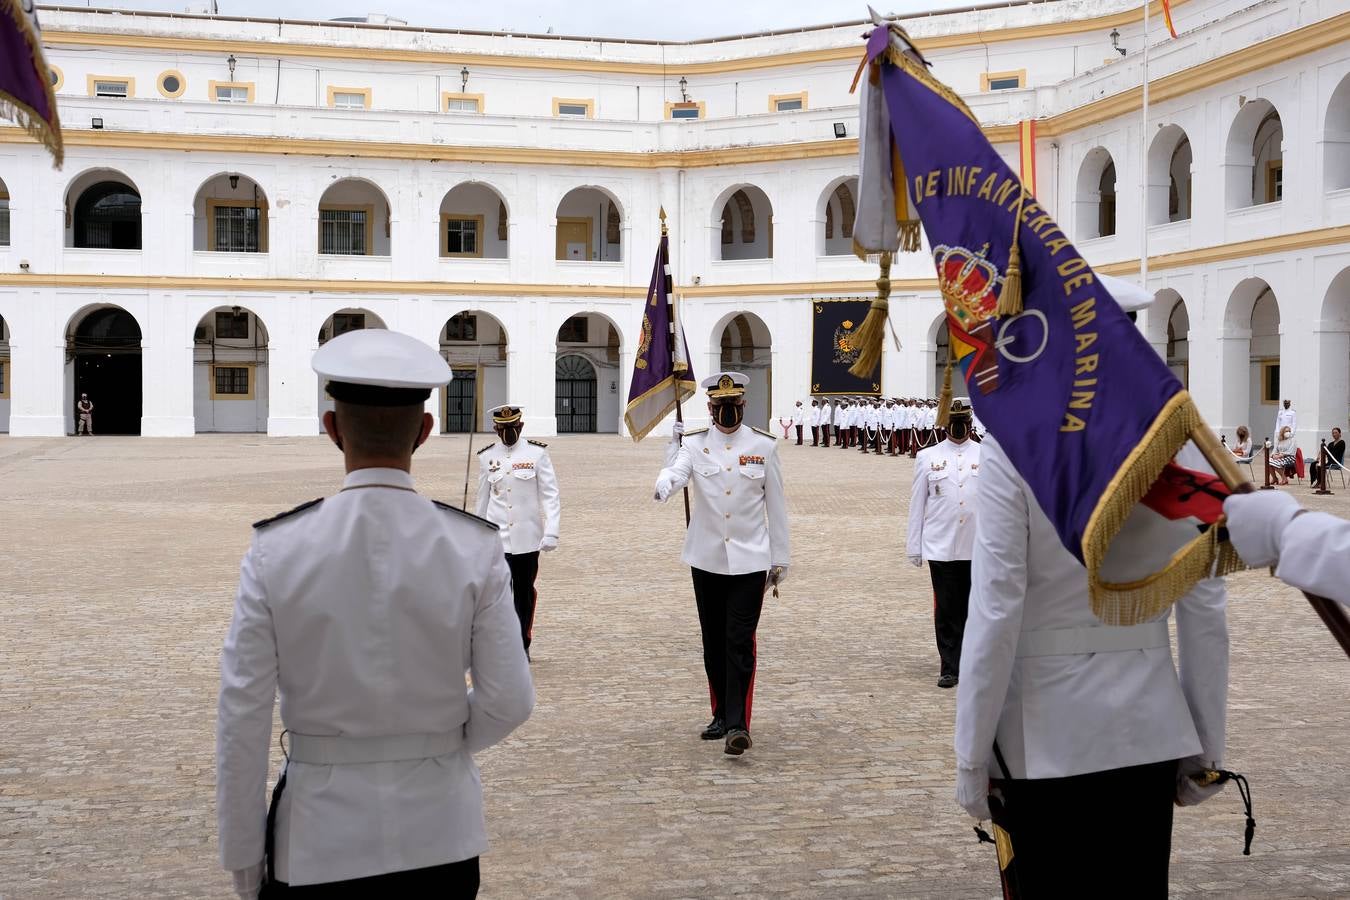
[[970, 286], [845, 343]]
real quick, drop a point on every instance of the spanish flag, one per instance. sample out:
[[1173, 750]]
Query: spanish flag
[[1167, 17]]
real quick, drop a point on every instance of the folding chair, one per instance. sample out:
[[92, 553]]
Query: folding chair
[[1247, 461], [1338, 468]]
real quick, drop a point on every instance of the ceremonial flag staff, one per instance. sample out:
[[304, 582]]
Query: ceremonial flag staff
[[674, 335]]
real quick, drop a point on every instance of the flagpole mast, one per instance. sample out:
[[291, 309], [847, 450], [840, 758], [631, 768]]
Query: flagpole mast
[[1143, 166], [675, 335]]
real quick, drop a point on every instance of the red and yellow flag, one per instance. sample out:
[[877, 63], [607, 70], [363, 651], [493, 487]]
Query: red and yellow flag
[[1167, 17], [1026, 136]]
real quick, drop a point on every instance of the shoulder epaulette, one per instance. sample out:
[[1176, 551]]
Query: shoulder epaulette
[[466, 514], [693, 431], [263, 523], [537, 443], [484, 450], [763, 432]]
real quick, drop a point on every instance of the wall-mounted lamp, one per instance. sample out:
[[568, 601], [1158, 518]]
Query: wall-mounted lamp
[[231, 62], [463, 79], [96, 122], [684, 89], [840, 130], [236, 309], [234, 182], [1115, 42]]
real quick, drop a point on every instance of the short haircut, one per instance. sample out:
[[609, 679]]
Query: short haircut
[[379, 431]]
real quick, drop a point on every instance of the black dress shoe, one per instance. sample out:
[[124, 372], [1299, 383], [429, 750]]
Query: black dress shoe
[[947, 681], [738, 741], [715, 731]]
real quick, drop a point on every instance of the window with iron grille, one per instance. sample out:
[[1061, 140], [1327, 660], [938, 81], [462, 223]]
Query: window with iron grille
[[461, 237], [345, 322], [343, 231], [463, 327], [573, 331], [4, 370], [231, 380], [4, 223], [232, 325], [237, 229]]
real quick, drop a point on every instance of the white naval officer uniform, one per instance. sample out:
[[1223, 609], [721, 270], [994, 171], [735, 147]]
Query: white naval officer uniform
[[518, 492], [1067, 698], [737, 536]]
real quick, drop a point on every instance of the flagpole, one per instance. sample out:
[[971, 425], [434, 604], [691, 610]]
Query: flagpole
[[1143, 166], [675, 334]]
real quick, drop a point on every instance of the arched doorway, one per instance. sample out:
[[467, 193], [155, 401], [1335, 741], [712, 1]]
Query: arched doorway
[[1178, 338], [103, 352], [354, 219], [1095, 200], [589, 227], [1336, 140], [1169, 176], [836, 218], [586, 397], [4, 214], [6, 374], [229, 372], [229, 215], [1254, 157], [940, 339], [344, 320], [474, 223], [1332, 332], [745, 345], [745, 224], [103, 211], [474, 343], [575, 393], [1250, 349]]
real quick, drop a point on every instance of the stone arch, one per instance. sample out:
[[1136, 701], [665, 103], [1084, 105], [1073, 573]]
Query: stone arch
[[1095, 198], [103, 360], [230, 388], [835, 211], [473, 222], [355, 218], [1177, 351], [743, 342], [103, 211], [4, 214], [1170, 160], [743, 216], [1250, 351], [230, 215], [1254, 156], [474, 342], [1332, 334], [6, 375], [592, 403], [1336, 139], [589, 225]]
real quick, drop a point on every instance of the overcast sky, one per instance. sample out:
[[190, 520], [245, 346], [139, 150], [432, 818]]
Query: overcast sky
[[667, 20]]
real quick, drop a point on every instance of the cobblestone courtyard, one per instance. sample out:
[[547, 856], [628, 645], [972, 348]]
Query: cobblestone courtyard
[[121, 560]]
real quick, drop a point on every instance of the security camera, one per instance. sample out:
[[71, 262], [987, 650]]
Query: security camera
[[23, 264]]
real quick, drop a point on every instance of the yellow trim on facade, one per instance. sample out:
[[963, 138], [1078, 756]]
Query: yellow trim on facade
[[252, 379], [333, 91], [447, 96], [164, 92], [445, 236], [851, 53], [130, 82], [370, 226], [249, 87], [987, 77], [775, 99], [700, 105], [559, 102], [212, 203], [60, 81]]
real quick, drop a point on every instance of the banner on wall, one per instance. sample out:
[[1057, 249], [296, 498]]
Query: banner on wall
[[834, 328]]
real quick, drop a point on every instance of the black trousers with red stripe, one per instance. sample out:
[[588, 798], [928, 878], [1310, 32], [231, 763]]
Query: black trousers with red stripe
[[524, 569], [728, 615], [452, 881]]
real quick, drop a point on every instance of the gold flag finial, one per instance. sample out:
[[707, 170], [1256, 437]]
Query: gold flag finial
[[664, 231]]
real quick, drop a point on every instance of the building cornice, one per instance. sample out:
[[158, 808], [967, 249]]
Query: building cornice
[[1279, 244], [216, 46]]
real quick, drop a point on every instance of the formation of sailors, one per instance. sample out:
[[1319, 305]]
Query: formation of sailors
[[884, 426]]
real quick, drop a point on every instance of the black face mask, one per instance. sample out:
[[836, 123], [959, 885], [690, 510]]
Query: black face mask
[[959, 429], [728, 415], [510, 434]]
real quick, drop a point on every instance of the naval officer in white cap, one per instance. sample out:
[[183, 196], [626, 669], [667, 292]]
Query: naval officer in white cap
[[737, 546], [364, 611], [518, 492]]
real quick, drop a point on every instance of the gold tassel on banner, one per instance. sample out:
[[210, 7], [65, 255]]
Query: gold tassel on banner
[[907, 224], [872, 333], [944, 415], [1010, 300]]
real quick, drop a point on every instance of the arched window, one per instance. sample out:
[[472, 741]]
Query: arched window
[[108, 216]]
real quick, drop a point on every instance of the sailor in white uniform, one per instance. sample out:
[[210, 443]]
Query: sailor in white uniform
[[518, 492], [798, 417], [813, 420], [364, 612], [736, 545], [1056, 710], [942, 531]]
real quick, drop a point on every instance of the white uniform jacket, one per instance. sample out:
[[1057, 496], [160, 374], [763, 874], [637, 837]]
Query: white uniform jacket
[[518, 492], [739, 519], [798, 416], [814, 419], [942, 502], [364, 612], [1315, 555], [1063, 715], [1285, 417], [929, 419]]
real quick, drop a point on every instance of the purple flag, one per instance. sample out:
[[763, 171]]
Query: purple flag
[[25, 83], [661, 368], [1086, 410]]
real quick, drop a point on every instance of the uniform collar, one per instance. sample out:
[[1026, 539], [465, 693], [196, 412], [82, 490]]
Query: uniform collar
[[396, 478]]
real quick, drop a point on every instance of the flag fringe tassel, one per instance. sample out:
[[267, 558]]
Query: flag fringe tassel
[[872, 333], [1130, 603], [944, 414], [47, 134]]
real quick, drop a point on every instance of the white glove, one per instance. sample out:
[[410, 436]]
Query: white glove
[[777, 574], [663, 488], [1188, 792], [676, 431], [972, 791], [247, 882], [548, 544], [1256, 522], [916, 562]]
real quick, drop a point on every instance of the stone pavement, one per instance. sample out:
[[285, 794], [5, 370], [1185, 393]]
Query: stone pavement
[[122, 556]]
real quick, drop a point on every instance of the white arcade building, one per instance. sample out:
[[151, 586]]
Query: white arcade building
[[238, 191]]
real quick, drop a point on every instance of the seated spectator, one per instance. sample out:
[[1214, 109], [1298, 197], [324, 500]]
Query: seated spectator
[[1335, 449], [1243, 448], [1282, 456]]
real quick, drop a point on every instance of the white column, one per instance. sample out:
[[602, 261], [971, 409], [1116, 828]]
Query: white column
[[37, 380], [166, 369], [293, 404], [1332, 380]]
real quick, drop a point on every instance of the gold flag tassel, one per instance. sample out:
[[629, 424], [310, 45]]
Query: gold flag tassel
[[944, 415], [1010, 300], [872, 333]]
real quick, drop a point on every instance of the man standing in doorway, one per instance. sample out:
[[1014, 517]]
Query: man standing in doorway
[[942, 531], [518, 492], [1285, 415], [736, 545], [84, 409]]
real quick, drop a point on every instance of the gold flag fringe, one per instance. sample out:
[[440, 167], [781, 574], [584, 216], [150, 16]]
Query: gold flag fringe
[[1010, 299], [1131, 603], [944, 415], [872, 332], [46, 133]]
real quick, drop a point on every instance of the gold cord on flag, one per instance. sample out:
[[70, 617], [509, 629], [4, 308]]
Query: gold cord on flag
[[1010, 299], [872, 333], [944, 416]]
